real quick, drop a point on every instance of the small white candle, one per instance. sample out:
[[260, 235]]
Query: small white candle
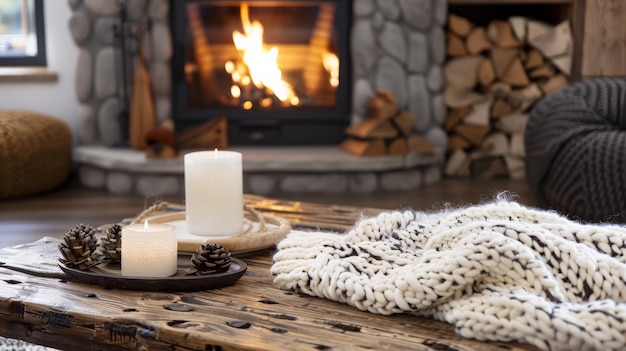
[[214, 193], [149, 250]]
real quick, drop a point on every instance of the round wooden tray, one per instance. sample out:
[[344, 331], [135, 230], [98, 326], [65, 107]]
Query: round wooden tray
[[111, 277], [260, 232]]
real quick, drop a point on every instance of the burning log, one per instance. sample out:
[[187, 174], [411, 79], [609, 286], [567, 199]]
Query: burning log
[[507, 67]]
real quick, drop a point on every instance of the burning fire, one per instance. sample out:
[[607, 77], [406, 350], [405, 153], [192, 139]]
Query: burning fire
[[331, 64], [262, 69]]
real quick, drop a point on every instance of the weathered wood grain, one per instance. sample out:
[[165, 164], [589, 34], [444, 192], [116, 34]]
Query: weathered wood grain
[[71, 315]]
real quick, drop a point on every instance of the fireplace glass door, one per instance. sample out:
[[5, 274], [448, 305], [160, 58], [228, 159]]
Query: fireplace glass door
[[275, 69]]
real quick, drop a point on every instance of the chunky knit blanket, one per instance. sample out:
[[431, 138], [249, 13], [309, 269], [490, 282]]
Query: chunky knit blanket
[[498, 271]]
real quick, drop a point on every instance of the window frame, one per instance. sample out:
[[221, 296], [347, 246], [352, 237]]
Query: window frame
[[32, 61]]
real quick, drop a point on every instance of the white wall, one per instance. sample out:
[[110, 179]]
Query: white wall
[[58, 98]]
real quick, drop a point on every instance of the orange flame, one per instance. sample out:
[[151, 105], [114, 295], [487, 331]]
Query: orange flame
[[331, 64], [261, 63]]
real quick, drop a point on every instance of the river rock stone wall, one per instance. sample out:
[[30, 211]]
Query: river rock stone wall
[[399, 45], [99, 80]]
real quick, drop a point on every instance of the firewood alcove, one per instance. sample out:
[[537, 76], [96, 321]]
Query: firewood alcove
[[503, 56]]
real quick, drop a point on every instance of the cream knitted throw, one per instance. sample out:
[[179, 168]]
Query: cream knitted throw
[[498, 271]]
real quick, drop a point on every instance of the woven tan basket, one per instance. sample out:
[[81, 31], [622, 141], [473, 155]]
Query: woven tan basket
[[35, 153]]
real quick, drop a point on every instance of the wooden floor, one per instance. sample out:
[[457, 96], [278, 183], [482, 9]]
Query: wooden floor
[[28, 219]]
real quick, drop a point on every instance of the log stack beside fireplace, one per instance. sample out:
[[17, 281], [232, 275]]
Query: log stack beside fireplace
[[494, 74]]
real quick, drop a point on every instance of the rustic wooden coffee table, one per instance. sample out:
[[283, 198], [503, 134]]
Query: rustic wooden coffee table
[[250, 315]]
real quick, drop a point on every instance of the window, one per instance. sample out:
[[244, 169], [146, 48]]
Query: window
[[22, 38]]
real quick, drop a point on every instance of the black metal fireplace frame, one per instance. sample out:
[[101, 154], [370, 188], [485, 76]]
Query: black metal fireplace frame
[[303, 126]]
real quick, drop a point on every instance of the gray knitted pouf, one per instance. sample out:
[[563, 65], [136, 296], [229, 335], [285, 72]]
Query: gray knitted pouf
[[576, 150]]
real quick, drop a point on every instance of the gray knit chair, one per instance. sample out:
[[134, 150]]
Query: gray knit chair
[[576, 150]]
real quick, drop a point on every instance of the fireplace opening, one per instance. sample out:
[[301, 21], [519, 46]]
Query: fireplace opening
[[277, 70]]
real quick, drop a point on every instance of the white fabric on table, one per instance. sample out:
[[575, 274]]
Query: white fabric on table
[[499, 271]]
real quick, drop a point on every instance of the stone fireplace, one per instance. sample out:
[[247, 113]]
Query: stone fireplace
[[396, 45], [278, 71]]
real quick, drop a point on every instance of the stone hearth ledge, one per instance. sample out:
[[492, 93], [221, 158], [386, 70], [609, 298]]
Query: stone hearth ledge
[[267, 171]]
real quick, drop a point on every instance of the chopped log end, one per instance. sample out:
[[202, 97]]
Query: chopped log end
[[516, 145], [563, 63], [358, 147], [398, 146], [501, 34], [535, 29], [372, 128], [554, 84], [495, 144], [458, 164], [516, 75], [461, 71], [387, 96], [457, 142], [419, 145], [499, 108], [404, 122], [543, 71], [455, 46], [486, 73], [556, 41], [458, 97], [480, 113], [516, 167], [477, 41], [474, 134], [518, 24], [534, 59], [502, 59], [382, 106], [455, 117], [458, 25]]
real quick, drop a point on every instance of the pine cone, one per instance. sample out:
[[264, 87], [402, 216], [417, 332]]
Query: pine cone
[[80, 247], [211, 258], [111, 245]]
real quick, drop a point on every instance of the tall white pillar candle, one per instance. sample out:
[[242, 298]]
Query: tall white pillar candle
[[214, 193], [149, 250]]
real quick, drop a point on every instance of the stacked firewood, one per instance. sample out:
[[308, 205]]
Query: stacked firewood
[[494, 75], [386, 130]]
